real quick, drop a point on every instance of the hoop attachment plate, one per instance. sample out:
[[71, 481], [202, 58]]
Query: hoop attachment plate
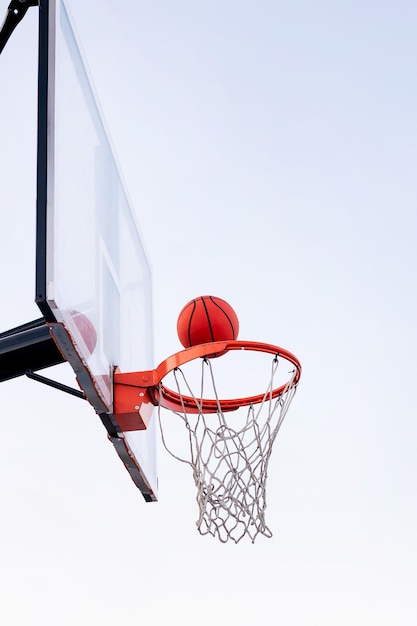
[[135, 393]]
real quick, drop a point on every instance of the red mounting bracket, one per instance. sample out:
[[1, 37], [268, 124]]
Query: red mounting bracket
[[133, 400]]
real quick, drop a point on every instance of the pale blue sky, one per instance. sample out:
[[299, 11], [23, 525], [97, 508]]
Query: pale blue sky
[[269, 149]]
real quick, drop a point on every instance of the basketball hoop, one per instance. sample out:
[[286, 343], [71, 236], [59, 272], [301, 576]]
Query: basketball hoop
[[229, 441]]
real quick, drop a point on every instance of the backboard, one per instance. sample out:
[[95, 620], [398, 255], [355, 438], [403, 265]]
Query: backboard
[[93, 279]]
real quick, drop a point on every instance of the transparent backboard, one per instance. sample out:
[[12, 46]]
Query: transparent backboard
[[94, 287]]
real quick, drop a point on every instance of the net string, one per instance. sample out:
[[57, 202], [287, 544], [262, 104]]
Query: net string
[[230, 464]]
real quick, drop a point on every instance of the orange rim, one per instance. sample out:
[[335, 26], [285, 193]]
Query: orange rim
[[170, 399]]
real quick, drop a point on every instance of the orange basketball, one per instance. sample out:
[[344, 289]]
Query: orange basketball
[[207, 319], [86, 329]]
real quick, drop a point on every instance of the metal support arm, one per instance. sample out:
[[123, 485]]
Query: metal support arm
[[27, 347], [15, 13]]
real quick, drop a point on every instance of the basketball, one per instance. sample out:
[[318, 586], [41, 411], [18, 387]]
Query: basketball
[[86, 330], [207, 319]]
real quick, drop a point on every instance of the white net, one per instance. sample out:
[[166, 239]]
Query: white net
[[229, 454]]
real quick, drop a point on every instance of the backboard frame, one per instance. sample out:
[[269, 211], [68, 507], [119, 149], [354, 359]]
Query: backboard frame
[[45, 205]]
